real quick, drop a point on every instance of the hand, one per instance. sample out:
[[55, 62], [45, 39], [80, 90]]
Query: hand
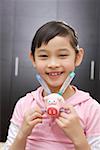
[[70, 124], [31, 119]]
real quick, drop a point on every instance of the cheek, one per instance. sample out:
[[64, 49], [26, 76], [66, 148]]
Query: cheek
[[70, 65], [40, 68]]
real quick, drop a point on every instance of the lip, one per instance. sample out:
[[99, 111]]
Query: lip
[[54, 74]]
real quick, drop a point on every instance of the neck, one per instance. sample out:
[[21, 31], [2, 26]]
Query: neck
[[68, 92]]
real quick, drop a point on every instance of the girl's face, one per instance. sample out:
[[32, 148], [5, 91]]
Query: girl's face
[[55, 61]]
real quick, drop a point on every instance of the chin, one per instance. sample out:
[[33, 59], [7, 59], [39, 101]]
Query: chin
[[55, 86]]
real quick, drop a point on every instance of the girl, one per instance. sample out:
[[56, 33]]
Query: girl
[[55, 53]]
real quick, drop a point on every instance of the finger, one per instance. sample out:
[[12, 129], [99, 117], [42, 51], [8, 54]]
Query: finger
[[64, 115], [69, 109], [60, 123], [63, 120], [35, 115], [37, 109], [36, 121], [71, 114]]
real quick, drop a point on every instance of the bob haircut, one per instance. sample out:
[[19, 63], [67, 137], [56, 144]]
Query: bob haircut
[[52, 29]]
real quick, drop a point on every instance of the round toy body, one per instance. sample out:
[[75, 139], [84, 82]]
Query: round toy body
[[53, 103]]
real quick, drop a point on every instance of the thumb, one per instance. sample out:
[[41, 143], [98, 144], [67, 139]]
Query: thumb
[[37, 108]]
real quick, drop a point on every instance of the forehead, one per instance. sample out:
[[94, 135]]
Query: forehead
[[59, 41], [56, 43]]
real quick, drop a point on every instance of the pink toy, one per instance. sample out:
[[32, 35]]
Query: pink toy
[[53, 103]]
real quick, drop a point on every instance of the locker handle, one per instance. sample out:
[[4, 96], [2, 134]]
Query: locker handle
[[16, 66], [99, 74], [92, 68]]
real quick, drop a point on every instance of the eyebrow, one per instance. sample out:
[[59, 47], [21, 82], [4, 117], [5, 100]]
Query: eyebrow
[[41, 50], [62, 49]]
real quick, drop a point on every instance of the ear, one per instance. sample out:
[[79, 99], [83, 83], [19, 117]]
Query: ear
[[79, 57], [32, 59]]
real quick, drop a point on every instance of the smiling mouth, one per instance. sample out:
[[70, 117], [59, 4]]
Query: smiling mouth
[[53, 74]]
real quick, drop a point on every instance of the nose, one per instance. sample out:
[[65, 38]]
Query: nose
[[53, 63]]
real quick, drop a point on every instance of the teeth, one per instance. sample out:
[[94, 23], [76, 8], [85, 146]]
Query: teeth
[[54, 73]]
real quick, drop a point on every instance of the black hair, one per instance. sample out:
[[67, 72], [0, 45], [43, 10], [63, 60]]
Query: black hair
[[52, 29]]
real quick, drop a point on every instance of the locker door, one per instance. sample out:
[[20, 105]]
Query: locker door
[[29, 15], [83, 17], [6, 48]]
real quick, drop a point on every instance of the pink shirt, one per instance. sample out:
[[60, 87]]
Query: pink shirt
[[46, 136]]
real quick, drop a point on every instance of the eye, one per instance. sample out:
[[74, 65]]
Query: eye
[[49, 101], [63, 56], [43, 55]]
